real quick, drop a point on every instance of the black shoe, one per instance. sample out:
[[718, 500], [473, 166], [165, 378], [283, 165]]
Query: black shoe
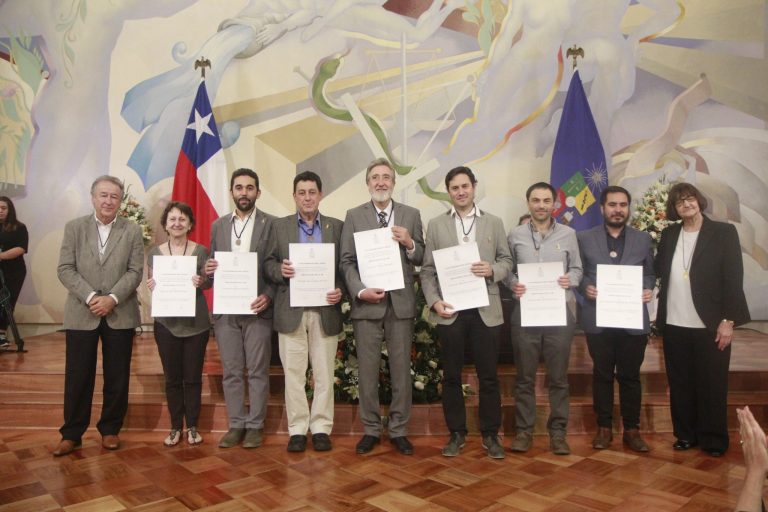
[[402, 444], [321, 442], [714, 452], [297, 443], [682, 444], [366, 444]]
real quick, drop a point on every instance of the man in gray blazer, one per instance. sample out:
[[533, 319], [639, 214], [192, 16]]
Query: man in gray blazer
[[383, 316], [306, 333], [101, 264], [244, 341], [615, 352], [480, 327]]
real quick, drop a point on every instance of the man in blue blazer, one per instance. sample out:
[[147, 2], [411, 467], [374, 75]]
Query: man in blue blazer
[[615, 352], [379, 316]]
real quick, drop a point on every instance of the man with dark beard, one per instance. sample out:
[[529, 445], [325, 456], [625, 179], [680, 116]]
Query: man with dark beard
[[244, 341], [615, 352]]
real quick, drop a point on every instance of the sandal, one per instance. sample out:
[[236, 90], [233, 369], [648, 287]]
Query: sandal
[[193, 436], [173, 438]]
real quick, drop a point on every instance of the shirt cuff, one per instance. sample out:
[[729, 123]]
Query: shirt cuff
[[361, 292], [115, 298], [89, 297]]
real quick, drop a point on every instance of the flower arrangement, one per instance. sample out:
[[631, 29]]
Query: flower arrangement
[[651, 212], [131, 209], [425, 361]]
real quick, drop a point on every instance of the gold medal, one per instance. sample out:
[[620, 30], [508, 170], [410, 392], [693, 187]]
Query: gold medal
[[685, 274]]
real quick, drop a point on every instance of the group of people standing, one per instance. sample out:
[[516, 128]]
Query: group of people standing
[[701, 300]]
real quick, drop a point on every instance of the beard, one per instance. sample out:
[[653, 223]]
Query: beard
[[244, 204], [381, 196], [616, 223]]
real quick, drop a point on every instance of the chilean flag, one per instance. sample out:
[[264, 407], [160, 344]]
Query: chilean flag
[[201, 172]]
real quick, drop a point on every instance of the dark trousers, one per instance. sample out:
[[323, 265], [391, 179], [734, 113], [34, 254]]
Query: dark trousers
[[13, 281], [182, 359], [616, 354], [698, 386], [80, 376], [469, 328]]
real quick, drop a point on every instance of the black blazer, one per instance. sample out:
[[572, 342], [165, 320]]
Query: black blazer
[[716, 274]]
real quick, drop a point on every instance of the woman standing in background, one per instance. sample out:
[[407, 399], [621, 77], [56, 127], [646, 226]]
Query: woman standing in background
[[14, 241]]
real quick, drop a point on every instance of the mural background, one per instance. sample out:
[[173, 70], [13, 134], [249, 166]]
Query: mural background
[[89, 87]]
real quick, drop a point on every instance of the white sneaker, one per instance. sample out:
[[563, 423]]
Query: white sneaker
[[173, 438], [193, 436]]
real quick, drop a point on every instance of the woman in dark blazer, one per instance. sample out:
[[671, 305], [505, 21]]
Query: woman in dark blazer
[[701, 300]]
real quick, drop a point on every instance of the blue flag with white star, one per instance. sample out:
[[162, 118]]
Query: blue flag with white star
[[579, 172]]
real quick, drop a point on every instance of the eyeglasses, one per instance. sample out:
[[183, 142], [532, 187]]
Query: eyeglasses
[[686, 200]]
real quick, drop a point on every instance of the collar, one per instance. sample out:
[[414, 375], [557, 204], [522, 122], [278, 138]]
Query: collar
[[98, 222], [475, 211], [387, 210], [621, 235], [234, 215], [317, 218]]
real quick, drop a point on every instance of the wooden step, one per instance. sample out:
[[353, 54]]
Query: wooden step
[[31, 391]]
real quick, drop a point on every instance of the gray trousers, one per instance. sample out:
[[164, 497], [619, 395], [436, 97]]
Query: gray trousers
[[369, 335], [245, 347], [529, 344]]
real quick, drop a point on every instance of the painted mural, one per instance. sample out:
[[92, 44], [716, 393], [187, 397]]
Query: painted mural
[[87, 87]]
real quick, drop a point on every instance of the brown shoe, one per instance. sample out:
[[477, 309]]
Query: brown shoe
[[110, 442], [634, 441], [602, 439], [66, 446]]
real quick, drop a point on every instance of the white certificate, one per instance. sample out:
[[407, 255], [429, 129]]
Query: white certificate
[[315, 275], [620, 296], [174, 293], [543, 303], [459, 286], [378, 259], [235, 283]]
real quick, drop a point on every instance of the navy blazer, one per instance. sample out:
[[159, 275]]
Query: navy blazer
[[716, 274], [593, 247]]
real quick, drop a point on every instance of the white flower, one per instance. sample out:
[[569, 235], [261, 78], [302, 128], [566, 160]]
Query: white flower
[[418, 385], [432, 364]]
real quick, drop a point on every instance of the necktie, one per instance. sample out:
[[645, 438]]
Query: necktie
[[382, 219]]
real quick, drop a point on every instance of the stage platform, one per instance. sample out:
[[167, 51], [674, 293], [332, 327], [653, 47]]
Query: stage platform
[[31, 390]]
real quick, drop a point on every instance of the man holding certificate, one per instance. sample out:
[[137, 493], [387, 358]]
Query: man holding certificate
[[244, 339], [378, 314], [478, 321], [548, 265], [616, 350], [303, 260]]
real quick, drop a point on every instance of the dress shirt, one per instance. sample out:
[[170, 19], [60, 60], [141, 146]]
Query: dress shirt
[[245, 229], [467, 222], [616, 244], [304, 230], [104, 231]]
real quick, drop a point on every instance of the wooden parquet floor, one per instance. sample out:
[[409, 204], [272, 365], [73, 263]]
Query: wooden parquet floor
[[143, 475]]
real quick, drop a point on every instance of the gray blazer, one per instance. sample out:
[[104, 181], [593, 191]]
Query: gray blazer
[[364, 218], [593, 247], [119, 272], [492, 244], [221, 240], [286, 231]]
